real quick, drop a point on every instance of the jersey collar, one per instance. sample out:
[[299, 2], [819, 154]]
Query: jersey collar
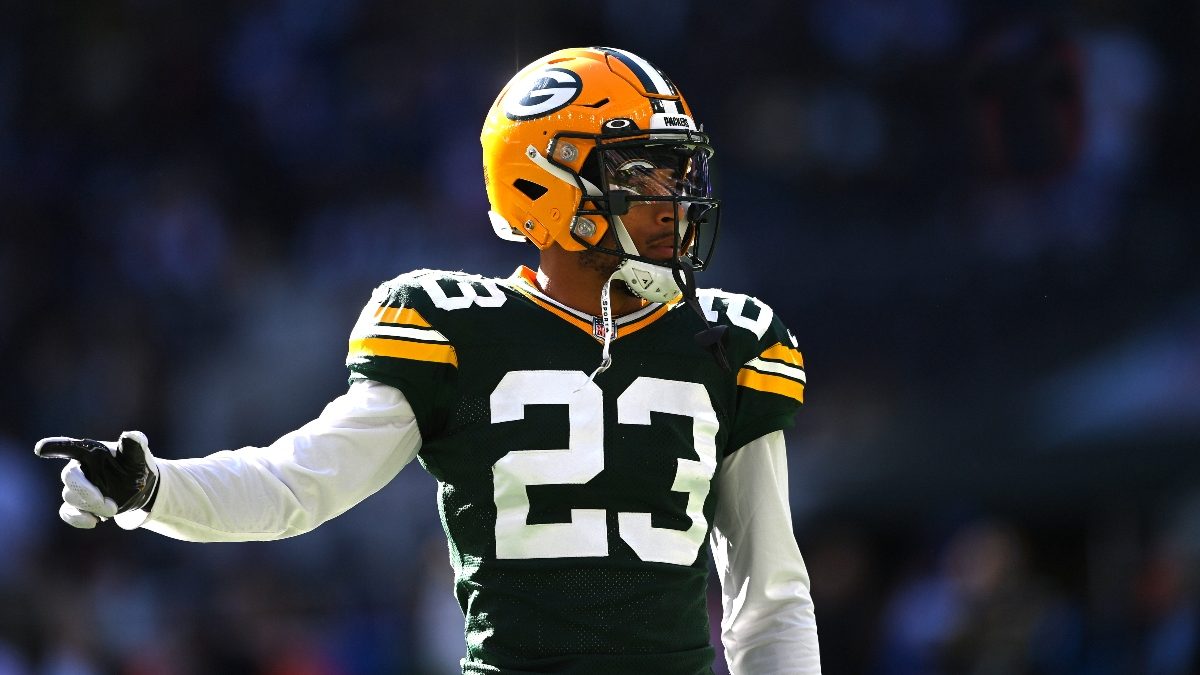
[[524, 281]]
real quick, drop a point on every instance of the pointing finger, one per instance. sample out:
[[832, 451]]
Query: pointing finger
[[62, 447]]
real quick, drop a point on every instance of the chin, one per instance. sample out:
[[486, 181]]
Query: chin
[[599, 262]]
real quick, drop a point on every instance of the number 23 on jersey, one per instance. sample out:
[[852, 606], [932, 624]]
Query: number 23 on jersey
[[586, 534]]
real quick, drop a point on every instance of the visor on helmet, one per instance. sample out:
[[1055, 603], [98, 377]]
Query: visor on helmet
[[651, 171], [635, 169]]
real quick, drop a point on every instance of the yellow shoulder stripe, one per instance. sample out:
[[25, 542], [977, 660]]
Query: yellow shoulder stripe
[[781, 352], [403, 349], [772, 384], [401, 315]]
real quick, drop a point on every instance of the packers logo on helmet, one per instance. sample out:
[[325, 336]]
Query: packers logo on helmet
[[542, 93]]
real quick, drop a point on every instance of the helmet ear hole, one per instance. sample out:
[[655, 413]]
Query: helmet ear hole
[[530, 189]]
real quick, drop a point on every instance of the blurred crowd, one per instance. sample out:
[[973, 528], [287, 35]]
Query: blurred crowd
[[979, 218]]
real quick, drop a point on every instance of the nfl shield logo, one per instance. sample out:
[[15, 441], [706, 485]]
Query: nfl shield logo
[[598, 328]]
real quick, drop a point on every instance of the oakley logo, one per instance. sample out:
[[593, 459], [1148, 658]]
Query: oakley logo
[[541, 93], [620, 123]]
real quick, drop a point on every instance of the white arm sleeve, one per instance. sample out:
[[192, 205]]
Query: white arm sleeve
[[359, 443], [769, 625]]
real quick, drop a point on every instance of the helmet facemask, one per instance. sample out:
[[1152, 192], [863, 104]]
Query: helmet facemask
[[627, 169]]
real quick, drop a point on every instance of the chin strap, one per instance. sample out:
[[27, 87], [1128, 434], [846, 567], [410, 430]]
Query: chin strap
[[608, 326], [712, 337]]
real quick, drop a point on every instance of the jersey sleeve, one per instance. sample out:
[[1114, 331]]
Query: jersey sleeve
[[770, 370], [394, 342], [768, 624]]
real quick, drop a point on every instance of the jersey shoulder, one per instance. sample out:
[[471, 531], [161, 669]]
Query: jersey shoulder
[[762, 349], [403, 316], [433, 293], [404, 336]]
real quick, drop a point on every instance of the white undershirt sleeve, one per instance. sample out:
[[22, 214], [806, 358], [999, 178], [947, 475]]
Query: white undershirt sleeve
[[358, 444], [768, 624]]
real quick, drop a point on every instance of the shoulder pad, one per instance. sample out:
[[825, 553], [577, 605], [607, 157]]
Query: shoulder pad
[[406, 317], [736, 309], [443, 290], [766, 351], [400, 319]]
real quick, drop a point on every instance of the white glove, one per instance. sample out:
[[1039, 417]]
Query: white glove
[[103, 478]]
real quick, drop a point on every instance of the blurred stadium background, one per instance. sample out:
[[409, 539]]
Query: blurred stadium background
[[979, 218]]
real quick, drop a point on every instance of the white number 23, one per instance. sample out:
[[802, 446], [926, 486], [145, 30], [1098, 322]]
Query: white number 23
[[586, 534]]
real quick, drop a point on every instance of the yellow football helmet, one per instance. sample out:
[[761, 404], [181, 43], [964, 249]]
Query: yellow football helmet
[[578, 136]]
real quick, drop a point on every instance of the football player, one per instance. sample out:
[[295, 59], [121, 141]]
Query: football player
[[590, 423]]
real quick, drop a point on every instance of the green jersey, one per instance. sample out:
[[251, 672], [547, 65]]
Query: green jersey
[[576, 508]]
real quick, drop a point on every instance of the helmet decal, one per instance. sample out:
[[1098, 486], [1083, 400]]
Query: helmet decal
[[543, 92], [651, 78]]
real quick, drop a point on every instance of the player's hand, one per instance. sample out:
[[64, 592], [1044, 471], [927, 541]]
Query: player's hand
[[103, 478]]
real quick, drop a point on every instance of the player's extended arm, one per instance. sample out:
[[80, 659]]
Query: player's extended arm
[[769, 625], [358, 444]]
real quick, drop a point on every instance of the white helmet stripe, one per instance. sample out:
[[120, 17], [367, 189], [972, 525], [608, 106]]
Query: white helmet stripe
[[650, 77]]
